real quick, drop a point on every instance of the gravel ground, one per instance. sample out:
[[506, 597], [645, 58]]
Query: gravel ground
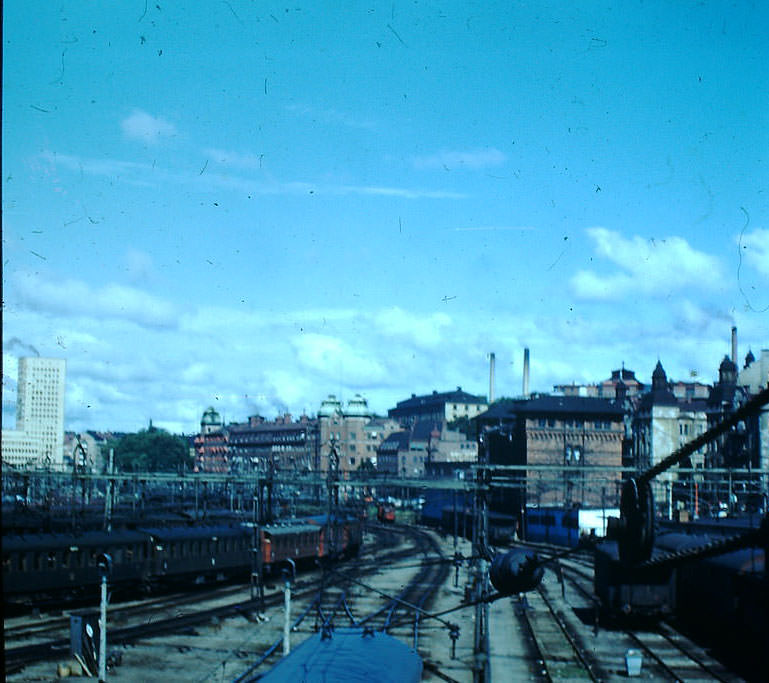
[[222, 650]]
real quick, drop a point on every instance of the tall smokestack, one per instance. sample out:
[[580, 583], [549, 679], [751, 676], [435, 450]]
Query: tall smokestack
[[492, 359], [734, 345], [526, 372]]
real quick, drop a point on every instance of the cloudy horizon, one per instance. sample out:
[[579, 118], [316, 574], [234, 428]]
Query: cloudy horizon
[[255, 207]]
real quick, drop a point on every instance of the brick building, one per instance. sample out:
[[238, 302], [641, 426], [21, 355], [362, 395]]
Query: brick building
[[210, 445], [287, 445], [607, 388], [428, 448], [570, 432], [355, 432]]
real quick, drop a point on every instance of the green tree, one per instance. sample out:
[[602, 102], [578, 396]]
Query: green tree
[[464, 425], [366, 467], [151, 450]]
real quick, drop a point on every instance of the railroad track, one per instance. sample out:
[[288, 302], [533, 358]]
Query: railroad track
[[676, 658], [43, 627], [667, 654], [556, 650], [171, 614], [362, 604]]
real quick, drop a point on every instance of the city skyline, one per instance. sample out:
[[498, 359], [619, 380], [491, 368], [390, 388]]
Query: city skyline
[[252, 207]]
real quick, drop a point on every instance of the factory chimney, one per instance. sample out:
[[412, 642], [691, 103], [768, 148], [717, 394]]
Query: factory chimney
[[734, 344], [526, 373], [492, 359]]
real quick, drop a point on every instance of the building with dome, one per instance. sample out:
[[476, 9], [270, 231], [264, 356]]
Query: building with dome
[[353, 430], [210, 445], [738, 447]]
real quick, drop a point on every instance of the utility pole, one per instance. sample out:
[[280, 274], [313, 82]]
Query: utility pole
[[108, 493], [481, 664], [105, 569], [257, 585], [288, 575], [332, 486]]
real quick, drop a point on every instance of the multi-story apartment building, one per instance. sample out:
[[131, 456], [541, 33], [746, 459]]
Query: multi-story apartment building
[[662, 423], [285, 444], [354, 431], [259, 445], [447, 405], [754, 376], [428, 448], [605, 389], [211, 444], [38, 439]]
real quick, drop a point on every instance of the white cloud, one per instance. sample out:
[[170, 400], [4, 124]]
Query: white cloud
[[647, 267], [71, 297], [423, 331], [139, 266], [451, 160], [121, 373], [334, 357], [153, 175], [146, 128]]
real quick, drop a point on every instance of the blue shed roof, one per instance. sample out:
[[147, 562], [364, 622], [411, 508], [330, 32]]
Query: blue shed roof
[[349, 655]]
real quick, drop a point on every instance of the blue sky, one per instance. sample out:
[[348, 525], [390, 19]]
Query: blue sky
[[252, 205]]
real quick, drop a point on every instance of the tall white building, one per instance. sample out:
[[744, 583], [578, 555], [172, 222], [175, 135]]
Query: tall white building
[[39, 413]]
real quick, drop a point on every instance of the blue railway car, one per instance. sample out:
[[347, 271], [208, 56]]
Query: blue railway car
[[348, 655], [565, 526], [436, 500]]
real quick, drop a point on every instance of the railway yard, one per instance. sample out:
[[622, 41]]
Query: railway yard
[[219, 633], [367, 592]]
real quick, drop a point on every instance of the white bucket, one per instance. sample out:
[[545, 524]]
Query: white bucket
[[633, 661]]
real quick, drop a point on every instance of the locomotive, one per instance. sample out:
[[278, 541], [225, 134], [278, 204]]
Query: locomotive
[[385, 513]]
